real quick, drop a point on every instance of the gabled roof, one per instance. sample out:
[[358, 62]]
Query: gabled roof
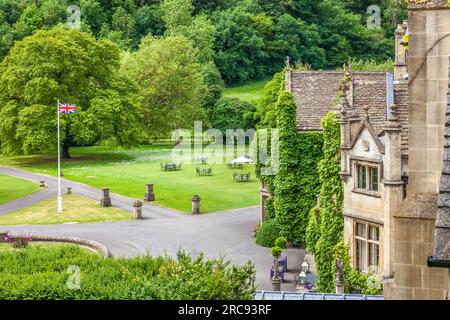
[[365, 124], [316, 93]]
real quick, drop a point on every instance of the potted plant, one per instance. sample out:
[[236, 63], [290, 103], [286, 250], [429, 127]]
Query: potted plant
[[276, 275], [281, 242]]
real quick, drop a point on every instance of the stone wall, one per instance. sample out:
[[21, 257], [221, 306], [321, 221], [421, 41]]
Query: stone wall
[[428, 69], [414, 223], [414, 242]]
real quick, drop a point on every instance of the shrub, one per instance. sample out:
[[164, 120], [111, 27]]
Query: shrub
[[267, 234], [41, 273], [232, 113], [276, 252], [281, 242]]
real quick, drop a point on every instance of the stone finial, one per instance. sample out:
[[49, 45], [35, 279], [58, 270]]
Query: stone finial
[[288, 63], [345, 105], [366, 109], [394, 112]]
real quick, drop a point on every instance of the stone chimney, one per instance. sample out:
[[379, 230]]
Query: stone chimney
[[400, 67]]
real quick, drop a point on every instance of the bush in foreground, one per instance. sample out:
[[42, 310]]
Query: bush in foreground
[[37, 273]]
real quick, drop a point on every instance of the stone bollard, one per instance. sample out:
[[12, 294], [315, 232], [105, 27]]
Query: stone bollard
[[137, 205], [196, 204], [42, 185], [276, 280], [149, 195], [106, 200], [69, 190]]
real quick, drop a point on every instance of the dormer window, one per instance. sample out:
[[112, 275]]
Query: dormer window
[[367, 178]]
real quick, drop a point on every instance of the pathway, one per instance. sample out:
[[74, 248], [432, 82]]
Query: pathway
[[162, 231]]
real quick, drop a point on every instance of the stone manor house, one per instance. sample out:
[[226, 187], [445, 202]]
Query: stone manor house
[[395, 155]]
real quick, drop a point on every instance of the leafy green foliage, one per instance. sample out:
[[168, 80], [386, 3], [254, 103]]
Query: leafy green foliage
[[71, 66], [266, 106], [331, 220], [276, 252], [232, 113], [38, 273], [247, 39], [364, 283], [281, 242], [214, 84], [313, 230], [171, 85], [296, 183], [267, 234], [371, 65], [179, 21]]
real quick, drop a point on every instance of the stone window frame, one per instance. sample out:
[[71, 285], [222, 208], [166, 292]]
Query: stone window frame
[[367, 242], [354, 162]]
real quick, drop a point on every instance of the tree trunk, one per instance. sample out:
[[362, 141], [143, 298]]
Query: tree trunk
[[177, 136], [65, 151]]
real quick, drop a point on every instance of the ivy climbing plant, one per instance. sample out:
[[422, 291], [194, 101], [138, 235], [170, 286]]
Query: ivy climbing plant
[[296, 184], [326, 231]]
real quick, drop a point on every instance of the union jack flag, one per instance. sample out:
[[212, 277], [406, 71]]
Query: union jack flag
[[67, 108]]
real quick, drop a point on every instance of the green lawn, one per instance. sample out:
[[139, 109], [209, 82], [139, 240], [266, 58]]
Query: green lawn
[[127, 171], [13, 188], [76, 209], [250, 91]]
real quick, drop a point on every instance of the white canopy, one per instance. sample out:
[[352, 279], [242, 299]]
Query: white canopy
[[241, 160]]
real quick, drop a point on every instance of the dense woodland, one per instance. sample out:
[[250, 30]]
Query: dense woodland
[[246, 39], [168, 61]]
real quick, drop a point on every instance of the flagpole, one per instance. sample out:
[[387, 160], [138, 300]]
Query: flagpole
[[59, 201]]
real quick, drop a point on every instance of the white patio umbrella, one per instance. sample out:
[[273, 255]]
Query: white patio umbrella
[[241, 160]]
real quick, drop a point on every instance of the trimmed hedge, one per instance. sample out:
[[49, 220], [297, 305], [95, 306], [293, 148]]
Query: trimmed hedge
[[41, 273], [267, 234]]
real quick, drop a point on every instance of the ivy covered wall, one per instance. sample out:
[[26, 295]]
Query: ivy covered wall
[[327, 230], [295, 186]]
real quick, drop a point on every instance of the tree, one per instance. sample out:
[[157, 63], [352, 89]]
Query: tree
[[171, 84], [71, 66], [214, 84], [267, 104], [232, 113], [239, 46], [179, 20]]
